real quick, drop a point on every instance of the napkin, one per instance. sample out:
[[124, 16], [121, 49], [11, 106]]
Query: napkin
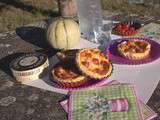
[[78, 103], [146, 112]]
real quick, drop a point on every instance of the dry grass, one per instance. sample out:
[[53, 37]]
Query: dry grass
[[15, 13], [125, 7], [21, 12]]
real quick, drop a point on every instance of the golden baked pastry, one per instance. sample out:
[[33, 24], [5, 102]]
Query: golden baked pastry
[[134, 49], [93, 63], [67, 55], [67, 75]]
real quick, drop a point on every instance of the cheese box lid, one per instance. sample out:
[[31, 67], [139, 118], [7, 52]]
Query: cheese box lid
[[28, 61]]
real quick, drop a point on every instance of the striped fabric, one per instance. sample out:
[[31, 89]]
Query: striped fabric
[[77, 103], [118, 105]]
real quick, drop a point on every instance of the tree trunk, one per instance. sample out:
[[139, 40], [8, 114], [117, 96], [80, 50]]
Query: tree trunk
[[67, 8]]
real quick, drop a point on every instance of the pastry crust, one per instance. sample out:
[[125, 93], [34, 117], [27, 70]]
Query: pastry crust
[[93, 63], [67, 75], [67, 55], [134, 49]]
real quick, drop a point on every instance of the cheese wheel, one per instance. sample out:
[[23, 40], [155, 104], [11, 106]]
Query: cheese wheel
[[29, 67]]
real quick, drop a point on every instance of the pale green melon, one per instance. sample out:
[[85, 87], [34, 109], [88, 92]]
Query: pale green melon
[[63, 34]]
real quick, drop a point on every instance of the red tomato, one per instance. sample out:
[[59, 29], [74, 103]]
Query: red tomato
[[95, 61]]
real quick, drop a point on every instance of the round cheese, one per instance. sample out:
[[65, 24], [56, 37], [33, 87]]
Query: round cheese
[[29, 67]]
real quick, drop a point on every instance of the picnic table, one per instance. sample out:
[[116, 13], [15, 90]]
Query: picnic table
[[22, 102]]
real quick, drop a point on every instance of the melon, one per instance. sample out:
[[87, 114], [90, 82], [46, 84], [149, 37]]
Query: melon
[[63, 34]]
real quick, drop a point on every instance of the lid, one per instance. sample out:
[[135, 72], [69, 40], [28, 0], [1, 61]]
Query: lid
[[28, 61]]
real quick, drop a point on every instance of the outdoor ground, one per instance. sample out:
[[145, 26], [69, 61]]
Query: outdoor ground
[[15, 13]]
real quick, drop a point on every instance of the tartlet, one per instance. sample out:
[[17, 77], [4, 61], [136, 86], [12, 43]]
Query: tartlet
[[93, 63], [67, 75], [67, 55], [134, 49]]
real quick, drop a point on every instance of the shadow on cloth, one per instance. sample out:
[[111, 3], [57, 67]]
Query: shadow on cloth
[[5, 62]]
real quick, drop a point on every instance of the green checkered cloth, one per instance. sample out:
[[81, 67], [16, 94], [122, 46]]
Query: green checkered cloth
[[78, 101]]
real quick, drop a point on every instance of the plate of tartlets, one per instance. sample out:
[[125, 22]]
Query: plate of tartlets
[[77, 69], [127, 28], [133, 51]]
